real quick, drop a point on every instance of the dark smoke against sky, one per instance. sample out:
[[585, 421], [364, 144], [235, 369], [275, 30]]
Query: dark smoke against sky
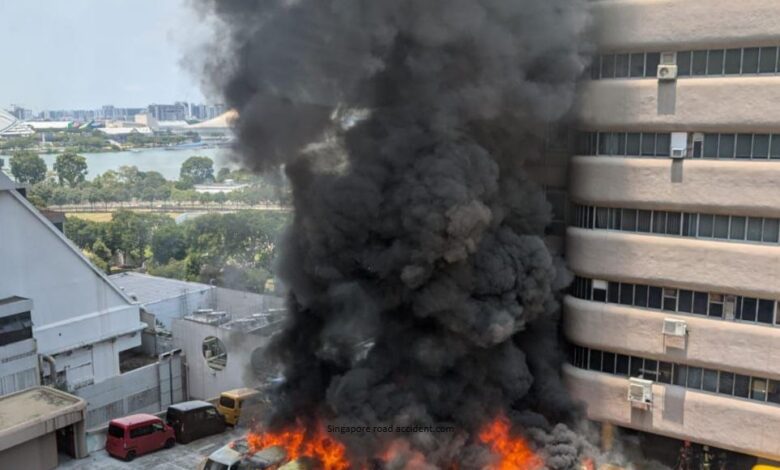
[[415, 226]]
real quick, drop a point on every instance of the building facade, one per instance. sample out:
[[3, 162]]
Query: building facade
[[673, 316]]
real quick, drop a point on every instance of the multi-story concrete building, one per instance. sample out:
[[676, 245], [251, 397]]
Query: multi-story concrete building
[[675, 188]]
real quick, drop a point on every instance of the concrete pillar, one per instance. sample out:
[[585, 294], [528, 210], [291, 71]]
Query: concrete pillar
[[80, 438]]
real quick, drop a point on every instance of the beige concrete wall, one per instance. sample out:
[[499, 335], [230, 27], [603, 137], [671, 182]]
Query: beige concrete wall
[[654, 25], [729, 104], [717, 266], [707, 186], [731, 423], [39, 453], [751, 348]]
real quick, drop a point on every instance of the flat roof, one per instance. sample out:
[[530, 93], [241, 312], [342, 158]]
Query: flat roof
[[36, 411], [150, 289]]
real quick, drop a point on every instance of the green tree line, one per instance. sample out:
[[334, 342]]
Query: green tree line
[[234, 250]]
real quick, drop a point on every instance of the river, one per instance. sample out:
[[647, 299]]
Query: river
[[167, 162]]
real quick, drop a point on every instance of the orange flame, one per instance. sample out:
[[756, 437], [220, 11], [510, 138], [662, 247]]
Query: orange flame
[[300, 443], [513, 451]]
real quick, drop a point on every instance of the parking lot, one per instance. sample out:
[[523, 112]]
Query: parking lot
[[180, 457]]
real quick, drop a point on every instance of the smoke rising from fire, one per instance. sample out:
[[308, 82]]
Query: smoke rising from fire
[[404, 127]]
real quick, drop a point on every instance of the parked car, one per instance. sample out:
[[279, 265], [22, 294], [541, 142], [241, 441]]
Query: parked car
[[136, 435], [232, 402], [236, 456], [192, 420]]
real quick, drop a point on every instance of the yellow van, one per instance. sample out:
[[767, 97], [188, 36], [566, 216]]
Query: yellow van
[[231, 401]]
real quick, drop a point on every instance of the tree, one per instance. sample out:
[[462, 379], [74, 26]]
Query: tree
[[28, 167], [100, 250], [71, 168], [169, 243], [197, 170], [222, 174]]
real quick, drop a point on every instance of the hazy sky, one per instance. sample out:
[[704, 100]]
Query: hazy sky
[[86, 53]]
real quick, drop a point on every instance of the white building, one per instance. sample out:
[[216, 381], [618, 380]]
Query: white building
[[79, 318], [12, 127]]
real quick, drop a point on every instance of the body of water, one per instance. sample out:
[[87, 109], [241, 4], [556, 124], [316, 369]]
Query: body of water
[[167, 162]]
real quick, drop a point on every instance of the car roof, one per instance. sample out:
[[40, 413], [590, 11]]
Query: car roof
[[239, 392], [225, 455], [190, 405], [134, 419]]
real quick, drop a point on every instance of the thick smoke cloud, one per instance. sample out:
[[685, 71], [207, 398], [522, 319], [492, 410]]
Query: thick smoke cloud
[[403, 127]]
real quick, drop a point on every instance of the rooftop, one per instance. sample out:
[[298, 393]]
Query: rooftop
[[34, 407], [191, 405], [146, 289], [134, 419]]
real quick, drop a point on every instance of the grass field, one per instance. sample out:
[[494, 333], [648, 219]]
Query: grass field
[[106, 216]]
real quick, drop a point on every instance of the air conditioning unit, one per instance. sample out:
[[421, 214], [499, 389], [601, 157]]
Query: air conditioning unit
[[678, 153], [678, 145], [668, 58], [674, 327], [729, 307], [667, 72], [640, 392]]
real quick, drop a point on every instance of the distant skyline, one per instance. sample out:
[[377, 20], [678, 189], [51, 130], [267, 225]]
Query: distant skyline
[[83, 54]]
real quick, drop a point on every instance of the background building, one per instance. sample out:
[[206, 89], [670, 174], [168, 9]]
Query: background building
[[673, 316]]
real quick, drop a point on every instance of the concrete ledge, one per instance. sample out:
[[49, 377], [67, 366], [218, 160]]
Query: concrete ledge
[[711, 104], [627, 330], [731, 187], [715, 266], [720, 421]]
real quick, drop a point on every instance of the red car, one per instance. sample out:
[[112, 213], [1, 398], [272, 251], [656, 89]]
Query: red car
[[138, 434]]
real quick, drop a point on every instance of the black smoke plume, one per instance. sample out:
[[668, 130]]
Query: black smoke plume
[[404, 127]]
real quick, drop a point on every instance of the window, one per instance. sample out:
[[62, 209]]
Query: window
[[710, 146], [602, 217], [637, 65], [770, 230], [744, 145], [760, 146], [227, 402], [700, 303], [741, 386], [768, 61], [599, 290], [626, 294], [608, 66], [685, 303], [670, 300], [694, 377], [629, 220], [690, 221], [15, 328], [659, 222], [640, 296], [621, 66], [211, 413], [116, 431], [650, 370], [613, 292], [680, 374], [654, 297], [775, 147], [621, 364], [665, 372], [749, 306], [594, 363], [716, 305], [710, 380], [737, 230], [142, 431], [614, 219], [715, 62], [595, 68], [726, 383], [758, 389], [648, 144], [766, 311], [673, 223], [684, 63], [699, 66], [726, 146], [755, 229], [608, 362], [705, 225], [663, 144], [773, 391], [750, 60], [633, 141], [721, 226], [651, 63], [733, 61], [637, 364], [643, 221]]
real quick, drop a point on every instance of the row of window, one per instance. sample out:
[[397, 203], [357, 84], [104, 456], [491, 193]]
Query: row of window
[[651, 144], [724, 227], [713, 62], [717, 305], [697, 378], [15, 328]]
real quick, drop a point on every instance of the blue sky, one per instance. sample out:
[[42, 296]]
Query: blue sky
[[86, 53]]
